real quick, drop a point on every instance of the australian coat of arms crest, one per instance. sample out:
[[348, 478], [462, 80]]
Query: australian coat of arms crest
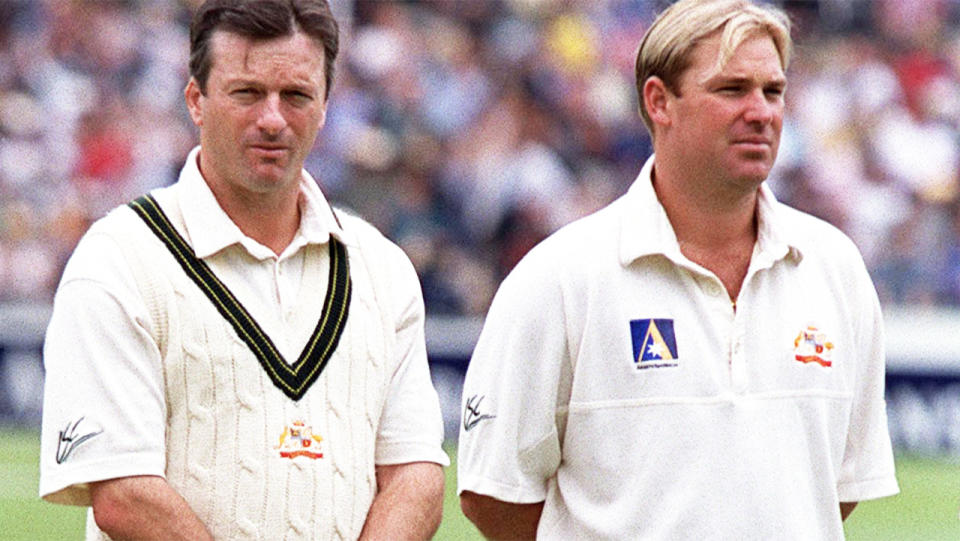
[[298, 440]]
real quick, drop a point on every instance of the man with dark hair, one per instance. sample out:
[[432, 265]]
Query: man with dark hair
[[262, 20], [229, 357]]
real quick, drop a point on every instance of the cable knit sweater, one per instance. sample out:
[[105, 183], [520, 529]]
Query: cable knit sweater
[[227, 423]]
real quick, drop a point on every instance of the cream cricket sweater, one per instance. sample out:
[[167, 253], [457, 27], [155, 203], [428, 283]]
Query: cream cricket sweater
[[227, 423]]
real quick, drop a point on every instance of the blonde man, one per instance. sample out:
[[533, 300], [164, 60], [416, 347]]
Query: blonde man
[[696, 360]]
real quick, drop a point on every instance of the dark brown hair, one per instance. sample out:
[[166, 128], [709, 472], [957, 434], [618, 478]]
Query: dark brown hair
[[262, 19]]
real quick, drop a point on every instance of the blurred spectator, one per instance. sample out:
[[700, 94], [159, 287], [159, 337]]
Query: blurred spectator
[[468, 131]]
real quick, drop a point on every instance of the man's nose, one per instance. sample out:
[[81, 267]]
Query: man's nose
[[761, 108], [270, 117]]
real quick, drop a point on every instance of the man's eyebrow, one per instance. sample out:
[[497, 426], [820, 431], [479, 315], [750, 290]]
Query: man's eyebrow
[[240, 81], [719, 78], [291, 85]]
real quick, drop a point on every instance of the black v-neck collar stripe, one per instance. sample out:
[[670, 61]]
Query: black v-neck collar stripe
[[200, 273], [293, 380], [332, 319]]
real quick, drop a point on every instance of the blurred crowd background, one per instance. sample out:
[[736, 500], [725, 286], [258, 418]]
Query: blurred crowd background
[[468, 130]]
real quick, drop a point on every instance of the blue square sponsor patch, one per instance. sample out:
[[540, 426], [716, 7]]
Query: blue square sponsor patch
[[654, 343]]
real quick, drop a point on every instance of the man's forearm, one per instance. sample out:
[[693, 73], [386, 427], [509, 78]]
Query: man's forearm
[[501, 520], [846, 508], [409, 502], [144, 508]]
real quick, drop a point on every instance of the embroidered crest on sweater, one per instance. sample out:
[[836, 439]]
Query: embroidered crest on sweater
[[298, 439]]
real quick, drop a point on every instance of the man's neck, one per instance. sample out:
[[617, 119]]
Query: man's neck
[[715, 225], [270, 219]]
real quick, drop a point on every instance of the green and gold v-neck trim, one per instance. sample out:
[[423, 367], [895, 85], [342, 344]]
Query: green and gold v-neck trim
[[294, 380]]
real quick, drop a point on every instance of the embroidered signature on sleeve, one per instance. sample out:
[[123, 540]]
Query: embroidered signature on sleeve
[[471, 413], [70, 440]]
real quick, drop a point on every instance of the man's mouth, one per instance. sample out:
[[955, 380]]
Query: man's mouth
[[269, 150], [752, 144], [759, 141]]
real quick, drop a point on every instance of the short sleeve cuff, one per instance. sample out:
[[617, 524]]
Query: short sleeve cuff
[[407, 452], [868, 489], [71, 486], [498, 490]]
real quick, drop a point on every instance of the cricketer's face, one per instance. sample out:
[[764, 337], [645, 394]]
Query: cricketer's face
[[729, 119], [263, 106]]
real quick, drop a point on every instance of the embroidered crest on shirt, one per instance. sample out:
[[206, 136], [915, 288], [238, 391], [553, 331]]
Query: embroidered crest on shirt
[[72, 437], [299, 440], [812, 346], [654, 343]]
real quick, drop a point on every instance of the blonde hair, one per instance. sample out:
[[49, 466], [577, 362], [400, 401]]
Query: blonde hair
[[666, 48]]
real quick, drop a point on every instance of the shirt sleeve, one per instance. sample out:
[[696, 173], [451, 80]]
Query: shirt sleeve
[[867, 470], [513, 406], [103, 410], [411, 426]]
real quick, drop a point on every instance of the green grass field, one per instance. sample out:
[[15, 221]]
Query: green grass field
[[926, 509]]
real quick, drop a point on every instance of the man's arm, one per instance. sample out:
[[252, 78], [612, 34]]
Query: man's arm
[[409, 502], [846, 508], [144, 508], [501, 520]]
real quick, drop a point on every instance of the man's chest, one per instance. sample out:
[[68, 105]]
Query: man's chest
[[677, 334]]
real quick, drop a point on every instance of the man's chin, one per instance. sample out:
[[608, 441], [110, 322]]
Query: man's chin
[[267, 183], [268, 173], [753, 171]]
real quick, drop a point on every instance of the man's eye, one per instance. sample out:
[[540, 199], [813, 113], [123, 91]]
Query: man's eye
[[299, 98]]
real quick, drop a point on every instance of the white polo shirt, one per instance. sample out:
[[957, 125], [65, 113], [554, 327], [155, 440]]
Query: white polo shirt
[[615, 380], [103, 369]]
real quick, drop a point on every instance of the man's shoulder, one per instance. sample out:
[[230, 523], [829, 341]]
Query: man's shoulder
[[582, 249], [816, 236], [122, 230], [380, 252], [103, 253], [589, 235], [357, 225], [122, 221], [119, 225], [363, 233]]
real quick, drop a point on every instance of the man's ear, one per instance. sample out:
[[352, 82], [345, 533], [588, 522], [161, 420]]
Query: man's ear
[[656, 98], [194, 98]]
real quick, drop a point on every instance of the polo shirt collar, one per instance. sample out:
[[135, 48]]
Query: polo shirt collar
[[776, 238], [210, 230], [646, 230]]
